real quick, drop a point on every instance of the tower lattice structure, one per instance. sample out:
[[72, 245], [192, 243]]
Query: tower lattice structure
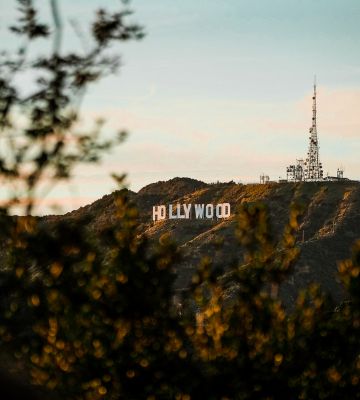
[[313, 170]]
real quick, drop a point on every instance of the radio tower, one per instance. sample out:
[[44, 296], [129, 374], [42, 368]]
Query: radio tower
[[313, 169]]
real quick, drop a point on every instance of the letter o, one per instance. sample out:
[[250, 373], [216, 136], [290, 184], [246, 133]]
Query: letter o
[[209, 211], [226, 210], [162, 212]]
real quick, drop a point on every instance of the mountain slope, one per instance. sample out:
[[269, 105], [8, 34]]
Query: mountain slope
[[329, 226]]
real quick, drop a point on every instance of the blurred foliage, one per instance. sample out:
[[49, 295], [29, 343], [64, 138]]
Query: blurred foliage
[[40, 133], [94, 317], [89, 326]]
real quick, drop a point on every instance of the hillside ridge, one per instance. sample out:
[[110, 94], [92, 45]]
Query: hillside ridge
[[329, 225]]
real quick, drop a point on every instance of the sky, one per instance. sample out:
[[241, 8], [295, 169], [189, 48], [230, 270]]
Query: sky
[[219, 90]]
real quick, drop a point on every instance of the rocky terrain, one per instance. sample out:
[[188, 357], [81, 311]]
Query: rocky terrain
[[329, 226]]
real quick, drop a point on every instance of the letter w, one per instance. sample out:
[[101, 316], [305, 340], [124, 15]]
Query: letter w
[[199, 211]]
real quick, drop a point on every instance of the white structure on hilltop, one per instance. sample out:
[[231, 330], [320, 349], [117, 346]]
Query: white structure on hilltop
[[311, 169], [264, 179]]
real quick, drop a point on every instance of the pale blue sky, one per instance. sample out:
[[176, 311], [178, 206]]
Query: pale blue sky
[[221, 90]]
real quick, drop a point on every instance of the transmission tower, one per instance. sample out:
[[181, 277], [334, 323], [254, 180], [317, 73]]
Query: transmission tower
[[313, 168]]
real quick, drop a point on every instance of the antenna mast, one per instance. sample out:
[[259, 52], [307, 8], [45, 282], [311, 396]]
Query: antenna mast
[[313, 167]]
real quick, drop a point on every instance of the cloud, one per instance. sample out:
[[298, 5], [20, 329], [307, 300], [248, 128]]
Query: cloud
[[219, 139], [139, 121], [213, 136], [338, 112], [337, 115]]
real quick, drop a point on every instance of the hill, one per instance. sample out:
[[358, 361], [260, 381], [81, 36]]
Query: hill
[[329, 225]]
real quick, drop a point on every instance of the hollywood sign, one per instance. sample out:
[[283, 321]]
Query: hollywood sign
[[191, 211]]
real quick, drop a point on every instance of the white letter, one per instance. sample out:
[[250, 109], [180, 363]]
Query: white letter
[[209, 211], [171, 215], [226, 210], [159, 213], [179, 215], [219, 209], [187, 208], [199, 211]]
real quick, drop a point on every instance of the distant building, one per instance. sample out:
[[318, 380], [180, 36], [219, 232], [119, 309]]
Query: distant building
[[339, 176], [264, 179]]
